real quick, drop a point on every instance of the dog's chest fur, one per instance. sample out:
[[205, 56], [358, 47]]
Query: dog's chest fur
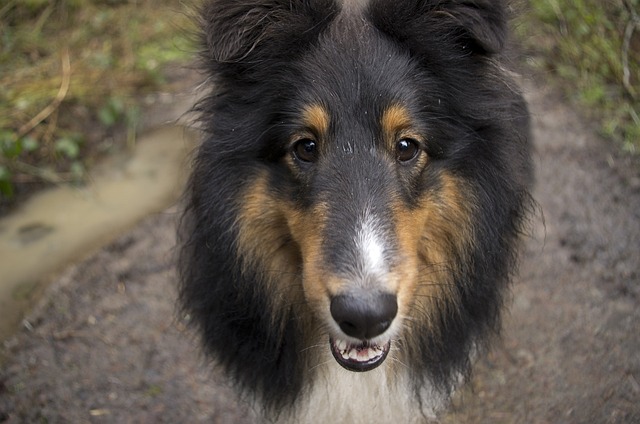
[[383, 395]]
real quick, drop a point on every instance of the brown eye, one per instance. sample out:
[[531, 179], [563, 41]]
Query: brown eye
[[406, 149], [306, 150]]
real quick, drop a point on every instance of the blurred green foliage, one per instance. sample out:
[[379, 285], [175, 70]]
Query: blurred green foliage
[[594, 47], [70, 68]]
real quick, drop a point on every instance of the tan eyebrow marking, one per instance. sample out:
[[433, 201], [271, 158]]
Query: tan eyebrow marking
[[395, 119], [316, 118], [396, 123]]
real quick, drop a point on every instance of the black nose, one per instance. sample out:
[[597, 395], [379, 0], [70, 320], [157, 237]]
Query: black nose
[[364, 317]]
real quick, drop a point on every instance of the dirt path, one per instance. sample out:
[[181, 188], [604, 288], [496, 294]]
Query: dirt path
[[104, 345]]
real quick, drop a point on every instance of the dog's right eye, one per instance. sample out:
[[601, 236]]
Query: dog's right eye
[[305, 150], [406, 150]]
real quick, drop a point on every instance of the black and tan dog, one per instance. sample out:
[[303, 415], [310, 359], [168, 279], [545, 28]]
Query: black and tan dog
[[356, 203]]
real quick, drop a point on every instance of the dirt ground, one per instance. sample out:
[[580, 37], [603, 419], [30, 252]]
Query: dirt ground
[[104, 345]]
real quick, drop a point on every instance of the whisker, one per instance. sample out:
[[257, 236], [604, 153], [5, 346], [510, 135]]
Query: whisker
[[308, 348], [320, 364]]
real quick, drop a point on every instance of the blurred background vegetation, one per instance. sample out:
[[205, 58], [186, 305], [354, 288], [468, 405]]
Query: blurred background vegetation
[[593, 48], [73, 71]]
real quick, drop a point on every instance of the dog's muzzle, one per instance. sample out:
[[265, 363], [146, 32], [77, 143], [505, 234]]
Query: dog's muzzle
[[363, 318]]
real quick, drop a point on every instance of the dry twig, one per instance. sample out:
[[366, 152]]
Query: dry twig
[[62, 93]]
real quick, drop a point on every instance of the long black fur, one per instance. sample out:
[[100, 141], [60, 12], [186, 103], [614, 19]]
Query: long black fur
[[259, 54]]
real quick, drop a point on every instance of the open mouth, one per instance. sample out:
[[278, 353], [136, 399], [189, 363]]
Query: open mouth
[[359, 357]]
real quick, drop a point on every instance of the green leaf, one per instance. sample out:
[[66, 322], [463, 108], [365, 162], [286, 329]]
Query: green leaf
[[29, 144], [6, 187], [111, 112], [68, 147], [9, 146], [107, 117], [5, 174], [77, 170]]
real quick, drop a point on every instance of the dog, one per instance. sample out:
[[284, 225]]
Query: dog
[[353, 214]]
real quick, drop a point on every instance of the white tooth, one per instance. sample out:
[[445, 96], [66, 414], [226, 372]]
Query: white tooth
[[353, 353], [344, 355], [342, 345], [372, 353]]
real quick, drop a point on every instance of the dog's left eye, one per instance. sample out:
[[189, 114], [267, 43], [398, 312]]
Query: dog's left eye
[[406, 149], [306, 150]]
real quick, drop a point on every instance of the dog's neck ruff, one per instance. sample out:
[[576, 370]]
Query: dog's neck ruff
[[383, 395], [353, 5]]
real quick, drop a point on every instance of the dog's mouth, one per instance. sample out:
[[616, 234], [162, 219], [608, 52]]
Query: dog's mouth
[[359, 357]]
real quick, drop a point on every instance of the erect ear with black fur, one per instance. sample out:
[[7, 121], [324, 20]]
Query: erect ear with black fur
[[253, 33], [480, 25]]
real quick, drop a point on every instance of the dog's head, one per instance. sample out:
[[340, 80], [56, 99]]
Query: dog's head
[[364, 179]]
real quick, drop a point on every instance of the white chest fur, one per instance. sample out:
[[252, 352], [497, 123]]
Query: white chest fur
[[380, 396]]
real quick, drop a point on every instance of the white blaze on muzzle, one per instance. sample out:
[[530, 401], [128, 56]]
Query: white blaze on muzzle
[[366, 306], [370, 249]]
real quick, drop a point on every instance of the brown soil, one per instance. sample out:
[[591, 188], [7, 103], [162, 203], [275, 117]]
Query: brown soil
[[104, 344]]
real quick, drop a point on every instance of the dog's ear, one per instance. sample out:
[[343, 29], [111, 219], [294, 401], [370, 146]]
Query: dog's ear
[[477, 25], [254, 33]]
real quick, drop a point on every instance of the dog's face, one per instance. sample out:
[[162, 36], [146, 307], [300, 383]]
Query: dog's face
[[363, 182], [355, 200]]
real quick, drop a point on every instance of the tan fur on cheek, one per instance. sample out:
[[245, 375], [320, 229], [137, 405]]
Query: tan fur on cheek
[[283, 245], [265, 246], [434, 239], [306, 229]]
